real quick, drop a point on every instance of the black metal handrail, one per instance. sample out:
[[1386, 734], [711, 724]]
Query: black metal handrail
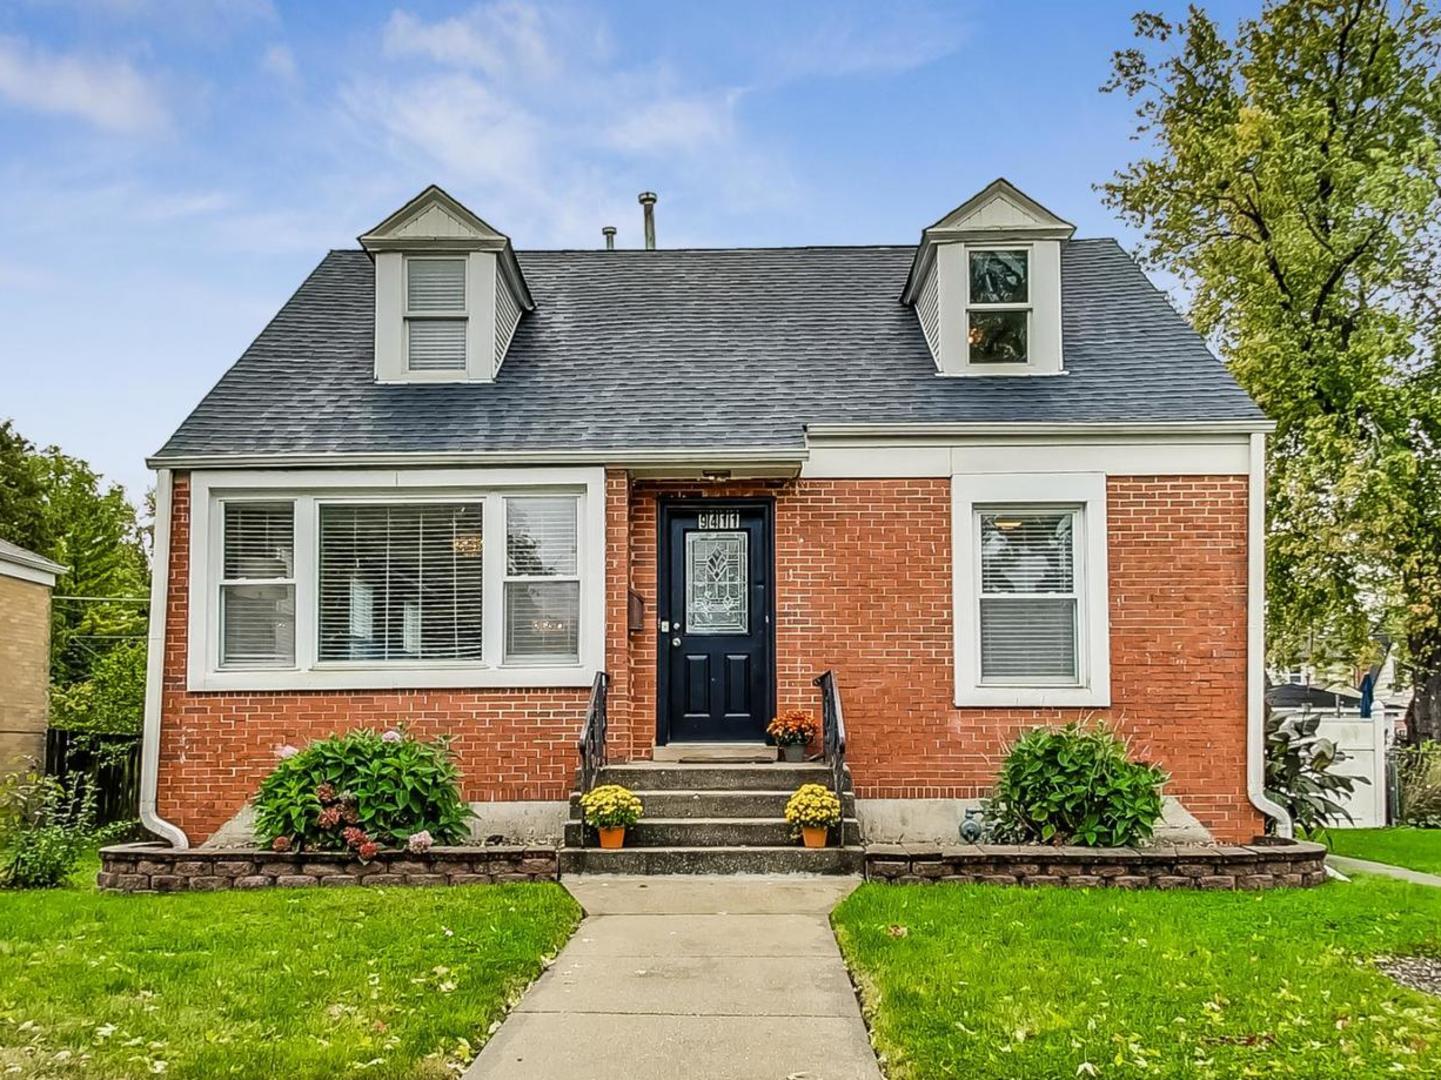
[[592, 734], [833, 730]]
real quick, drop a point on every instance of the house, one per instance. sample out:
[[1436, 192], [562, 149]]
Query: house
[[989, 480], [26, 580]]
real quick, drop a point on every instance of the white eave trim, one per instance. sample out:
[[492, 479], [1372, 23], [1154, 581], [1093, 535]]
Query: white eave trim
[[717, 457]]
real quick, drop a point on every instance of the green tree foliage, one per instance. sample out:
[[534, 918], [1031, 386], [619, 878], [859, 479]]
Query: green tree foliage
[[111, 701], [58, 506], [1291, 182]]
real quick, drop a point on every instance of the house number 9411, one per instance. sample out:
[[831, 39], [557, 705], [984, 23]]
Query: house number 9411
[[719, 519]]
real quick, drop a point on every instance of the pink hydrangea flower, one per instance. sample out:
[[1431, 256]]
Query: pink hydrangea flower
[[280, 843], [392, 736], [285, 753], [419, 843], [328, 818], [369, 850]]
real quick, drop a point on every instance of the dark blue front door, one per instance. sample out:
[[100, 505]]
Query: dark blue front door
[[716, 641]]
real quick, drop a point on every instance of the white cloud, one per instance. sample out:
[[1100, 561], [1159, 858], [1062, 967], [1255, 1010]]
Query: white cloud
[[503, 39], [676, 123], [279, 62], [876, 40], [110, 94]]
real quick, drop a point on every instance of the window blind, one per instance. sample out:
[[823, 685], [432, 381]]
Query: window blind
[[435, 285], [542, 587], [1028, 598], [435, 344], [257, 586], [401, 583]]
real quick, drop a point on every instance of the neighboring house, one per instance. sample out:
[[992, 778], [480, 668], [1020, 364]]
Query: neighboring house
[[991, 481], [26, 580]]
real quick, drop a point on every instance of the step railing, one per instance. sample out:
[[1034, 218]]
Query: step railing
[[592, 734], [833, 730]]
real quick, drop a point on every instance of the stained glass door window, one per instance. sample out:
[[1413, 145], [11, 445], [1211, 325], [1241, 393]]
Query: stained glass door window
[[717, 594]]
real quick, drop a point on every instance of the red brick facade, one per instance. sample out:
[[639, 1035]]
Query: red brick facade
[[863, 586]]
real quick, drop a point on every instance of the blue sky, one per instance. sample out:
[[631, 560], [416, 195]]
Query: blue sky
[[172, 169]]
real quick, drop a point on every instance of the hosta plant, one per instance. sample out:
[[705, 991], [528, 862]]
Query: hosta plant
[[361, 791], [1074, 785], [813, 806], [611, 806]]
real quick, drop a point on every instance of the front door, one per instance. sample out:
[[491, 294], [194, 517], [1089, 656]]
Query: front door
[[717, 650]]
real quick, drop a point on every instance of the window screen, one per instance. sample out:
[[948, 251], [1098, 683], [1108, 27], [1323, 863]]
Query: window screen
[[257, 586], [401, 583], [1029, 603]]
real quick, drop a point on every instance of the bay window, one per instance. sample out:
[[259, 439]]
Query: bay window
[[375, 579], [1030, 579]]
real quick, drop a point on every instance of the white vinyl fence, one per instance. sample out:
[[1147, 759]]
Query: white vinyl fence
[[1365, 743]]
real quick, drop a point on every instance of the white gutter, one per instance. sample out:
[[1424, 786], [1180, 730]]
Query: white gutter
[[718, 456], [1256, 642], [155, 670], [1042, 427]]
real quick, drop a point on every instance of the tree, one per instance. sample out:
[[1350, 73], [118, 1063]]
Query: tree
[[1292, 184], [59, 507]]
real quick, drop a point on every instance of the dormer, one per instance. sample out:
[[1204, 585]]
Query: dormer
[[986, 285], [448, 293]]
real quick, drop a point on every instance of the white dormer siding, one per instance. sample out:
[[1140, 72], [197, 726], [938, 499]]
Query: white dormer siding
[[986, 286], [448, 293]]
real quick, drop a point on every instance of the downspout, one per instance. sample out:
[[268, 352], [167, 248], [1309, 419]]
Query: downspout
[[155, 670], [1256, 642]]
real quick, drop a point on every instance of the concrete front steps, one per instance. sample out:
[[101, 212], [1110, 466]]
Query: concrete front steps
[[709, 818]]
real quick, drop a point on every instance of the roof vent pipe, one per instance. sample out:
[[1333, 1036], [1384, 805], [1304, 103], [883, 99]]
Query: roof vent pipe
[[608, 231], [647, 200]]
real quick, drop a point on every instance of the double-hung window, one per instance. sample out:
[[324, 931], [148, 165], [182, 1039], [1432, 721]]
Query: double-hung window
[[375, 579], [998, 305], [1029, 600], [435, 313], [1032, 622], [257, 586]]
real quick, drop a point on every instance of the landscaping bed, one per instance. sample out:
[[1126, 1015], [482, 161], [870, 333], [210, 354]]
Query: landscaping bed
[[157, 868], [979, 982], [390, 983], [1415, 849], [1162, 866]]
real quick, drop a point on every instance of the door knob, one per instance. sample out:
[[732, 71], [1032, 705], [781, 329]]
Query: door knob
[[675, 641]]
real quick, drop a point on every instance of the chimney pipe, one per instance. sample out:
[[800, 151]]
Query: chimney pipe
[[608, 231], [647, 200]]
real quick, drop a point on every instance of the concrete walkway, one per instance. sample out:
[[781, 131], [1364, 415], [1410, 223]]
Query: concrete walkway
[[691, 978], [1349, 865]]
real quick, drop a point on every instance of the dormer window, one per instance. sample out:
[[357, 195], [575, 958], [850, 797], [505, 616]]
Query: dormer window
[[449, 294], [435, 314], [986, 286], [998, 312]]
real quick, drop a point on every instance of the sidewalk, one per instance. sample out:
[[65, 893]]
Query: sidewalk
[[683, 978], [1348, 865]]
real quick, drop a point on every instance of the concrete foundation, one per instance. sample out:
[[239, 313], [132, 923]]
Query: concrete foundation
[[938, 821]]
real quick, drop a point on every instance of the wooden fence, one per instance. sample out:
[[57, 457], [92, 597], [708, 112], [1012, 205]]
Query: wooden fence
[[108, 765]]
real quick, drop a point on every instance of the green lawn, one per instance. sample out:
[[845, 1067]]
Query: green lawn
[[988, 982], [401, 983], [1417, 849]]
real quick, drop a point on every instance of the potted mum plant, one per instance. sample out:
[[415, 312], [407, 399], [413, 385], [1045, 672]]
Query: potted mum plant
[[813, 809], [610, 809], [792, 730]]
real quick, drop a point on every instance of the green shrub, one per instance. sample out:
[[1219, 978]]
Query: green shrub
[[1074, 785], [363, 791], [111, 701], [44, 831], [1418, 779]]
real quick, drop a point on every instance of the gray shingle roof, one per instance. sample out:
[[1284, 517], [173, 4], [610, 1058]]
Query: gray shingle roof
[[699, 349]]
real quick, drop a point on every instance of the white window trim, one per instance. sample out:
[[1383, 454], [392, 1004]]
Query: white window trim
[[1083, 491], [1028, 307], [313, 487], [392, 353]]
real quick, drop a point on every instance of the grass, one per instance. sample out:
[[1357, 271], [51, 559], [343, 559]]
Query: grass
[[393, 983], [1415, 849], [987, 982]]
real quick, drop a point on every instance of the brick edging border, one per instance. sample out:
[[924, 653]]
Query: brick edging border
[[1265, 864], [157, 868]]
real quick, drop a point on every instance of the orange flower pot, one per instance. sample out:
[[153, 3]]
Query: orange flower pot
[[612, 836], [814, 835]]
